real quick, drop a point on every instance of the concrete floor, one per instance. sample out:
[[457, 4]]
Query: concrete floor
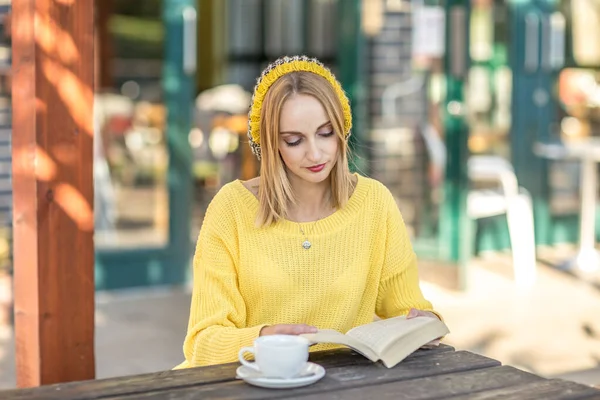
[[552, 329]]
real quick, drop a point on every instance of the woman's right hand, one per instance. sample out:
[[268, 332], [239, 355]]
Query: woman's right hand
[[287, 329]]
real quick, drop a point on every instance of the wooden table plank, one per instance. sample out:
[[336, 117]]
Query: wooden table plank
[[341, 357], [464, 385], [337, 378], [431, 374], [166, 380], [551, 389], [96, 389]]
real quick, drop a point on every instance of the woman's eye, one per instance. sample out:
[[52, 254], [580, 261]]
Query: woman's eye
[[292, 144], [327, 134]]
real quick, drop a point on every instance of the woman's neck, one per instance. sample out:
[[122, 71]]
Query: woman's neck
[[313, 201]]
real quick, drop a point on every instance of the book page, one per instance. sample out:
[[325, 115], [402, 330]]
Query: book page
[[335, 337], [379, 335], [412, 341]]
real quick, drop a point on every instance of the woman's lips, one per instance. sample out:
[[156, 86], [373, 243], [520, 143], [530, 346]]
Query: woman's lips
[[316, 168]]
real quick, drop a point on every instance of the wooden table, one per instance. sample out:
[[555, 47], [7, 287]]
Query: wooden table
[[427, 374]]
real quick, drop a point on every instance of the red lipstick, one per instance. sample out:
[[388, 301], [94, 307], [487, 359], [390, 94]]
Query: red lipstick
[[316, 168]]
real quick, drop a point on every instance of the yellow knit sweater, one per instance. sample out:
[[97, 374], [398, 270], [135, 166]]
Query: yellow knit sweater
[[361, 263]]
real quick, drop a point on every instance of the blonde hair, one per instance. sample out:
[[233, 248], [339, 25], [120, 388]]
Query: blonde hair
[[270, 75], [275, 192]]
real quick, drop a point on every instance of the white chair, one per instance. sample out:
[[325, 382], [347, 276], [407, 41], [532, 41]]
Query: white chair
[[506, 198], [510, 199]]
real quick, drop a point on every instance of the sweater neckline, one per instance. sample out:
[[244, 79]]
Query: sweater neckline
[[324, 225]]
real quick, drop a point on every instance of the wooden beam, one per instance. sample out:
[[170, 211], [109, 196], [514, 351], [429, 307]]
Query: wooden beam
[[53, 63]]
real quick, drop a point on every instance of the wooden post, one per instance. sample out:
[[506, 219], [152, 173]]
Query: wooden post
[[53, 65]]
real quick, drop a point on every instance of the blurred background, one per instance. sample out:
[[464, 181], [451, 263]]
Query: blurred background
[[481, 116]]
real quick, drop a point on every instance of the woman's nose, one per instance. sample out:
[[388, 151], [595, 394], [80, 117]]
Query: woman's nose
[[314, 152]]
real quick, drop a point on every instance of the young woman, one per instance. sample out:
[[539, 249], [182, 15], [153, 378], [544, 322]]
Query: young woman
[[305, 245]]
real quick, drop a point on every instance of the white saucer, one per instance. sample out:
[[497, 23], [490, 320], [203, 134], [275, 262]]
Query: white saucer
[[310, 374]]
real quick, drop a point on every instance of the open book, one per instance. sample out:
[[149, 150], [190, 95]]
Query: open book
[[389, 340]]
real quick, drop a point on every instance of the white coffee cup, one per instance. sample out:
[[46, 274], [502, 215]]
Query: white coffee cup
[[277, 356]]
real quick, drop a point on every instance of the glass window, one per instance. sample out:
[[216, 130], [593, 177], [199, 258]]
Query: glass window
[[585, 16], [489, 82], [130, 155]]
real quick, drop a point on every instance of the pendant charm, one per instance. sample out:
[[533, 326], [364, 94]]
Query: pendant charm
[[306, 244]]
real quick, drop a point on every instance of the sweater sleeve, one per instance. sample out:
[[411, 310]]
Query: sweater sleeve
[[399, 289], [216, 328]]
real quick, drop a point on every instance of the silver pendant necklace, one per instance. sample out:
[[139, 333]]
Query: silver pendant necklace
[[306, 244]]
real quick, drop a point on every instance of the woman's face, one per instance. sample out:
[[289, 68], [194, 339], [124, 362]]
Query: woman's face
[[307, 143]]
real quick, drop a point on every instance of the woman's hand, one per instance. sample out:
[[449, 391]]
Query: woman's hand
[[413, 313], [287, 329]]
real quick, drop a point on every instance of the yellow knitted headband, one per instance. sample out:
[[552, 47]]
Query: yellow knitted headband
[[275, 71]]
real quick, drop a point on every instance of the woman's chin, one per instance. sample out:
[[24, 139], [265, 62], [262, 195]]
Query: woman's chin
[[316, 177]]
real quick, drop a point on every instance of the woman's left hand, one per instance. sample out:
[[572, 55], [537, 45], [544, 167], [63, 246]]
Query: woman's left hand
[[413, 313]]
